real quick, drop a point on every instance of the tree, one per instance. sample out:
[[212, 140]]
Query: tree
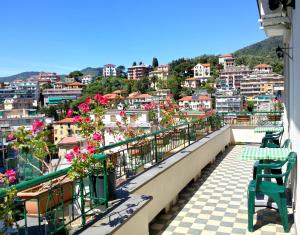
[[142, 85], [140, 63], [76, 74], [50, 111], [154, 80], [250, 105], [154, 62], [174, 84], [134, 63]]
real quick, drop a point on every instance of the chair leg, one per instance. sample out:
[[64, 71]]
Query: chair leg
[[251, 200], [283, 212]]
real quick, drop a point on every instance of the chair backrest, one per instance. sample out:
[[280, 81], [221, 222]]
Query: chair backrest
[[290, 164], [286, 144]]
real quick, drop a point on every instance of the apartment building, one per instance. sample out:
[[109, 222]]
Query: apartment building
[[137, 100], [229, 103], [20, 89], [55, 96], [227, 60], [263, 68], [161, 72], [110, 70], [202, 71], [138, 72], [230, 78], [195, 102], [262, 84], [194, 83], [87, 79], [64, 128]]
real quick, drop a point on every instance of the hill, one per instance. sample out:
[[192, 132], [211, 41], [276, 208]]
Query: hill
[[26, 75], [20, 76], [261, 52]]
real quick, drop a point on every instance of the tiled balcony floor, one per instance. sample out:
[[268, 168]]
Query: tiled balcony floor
[[217, 203]]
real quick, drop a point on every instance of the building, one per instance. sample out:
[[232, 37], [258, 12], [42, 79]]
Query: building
[[55, 96], [193, 83], [227, 60], [195, 103], [229, 103], [231, 77], [263, 68], [64, 128], [20, 89], [110, 70], [202, 71], [138, 72], [263, 102], [137, 100], [87, 79], [48, 78], [262, 84], [161, 73], [284, 20]]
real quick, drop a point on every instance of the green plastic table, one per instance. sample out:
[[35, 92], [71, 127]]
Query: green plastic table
[[262, 129], [257, 153]]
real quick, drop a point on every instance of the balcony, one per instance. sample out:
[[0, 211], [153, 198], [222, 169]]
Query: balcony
[[187, 179]]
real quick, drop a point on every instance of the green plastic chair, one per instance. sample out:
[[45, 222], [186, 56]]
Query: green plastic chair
[[273, 190], [271, 138]]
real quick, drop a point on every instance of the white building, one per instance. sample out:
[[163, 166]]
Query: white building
[[285, 21], [226, 103], [227, 60], [195, 103], [87, 79], [263, 68], [109, 70], [202, 71]]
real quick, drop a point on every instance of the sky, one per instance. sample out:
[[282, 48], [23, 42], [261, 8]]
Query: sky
[[65, 35]]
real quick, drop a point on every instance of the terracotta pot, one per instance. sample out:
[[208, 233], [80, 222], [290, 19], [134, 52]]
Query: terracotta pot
[[274, 118], [35, 196], [140, 149]]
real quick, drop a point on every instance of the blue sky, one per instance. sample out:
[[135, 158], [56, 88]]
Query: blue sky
[[64, 35]]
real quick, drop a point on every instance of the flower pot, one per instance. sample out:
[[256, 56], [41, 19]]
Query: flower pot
[[163, 140], [97, 186], [140, 149], [243, 119], [38, 197], [274, 118]]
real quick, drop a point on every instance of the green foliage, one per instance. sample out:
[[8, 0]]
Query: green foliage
[[250, 105], [142, 85], [75, 74], [134, 63], [154, 62], [174, 84]]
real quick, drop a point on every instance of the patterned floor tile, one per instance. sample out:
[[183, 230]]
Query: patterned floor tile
[[217, 203]]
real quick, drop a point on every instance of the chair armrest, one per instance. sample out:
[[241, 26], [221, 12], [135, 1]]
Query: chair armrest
[[270, 175], [271, 145], [272, 165]]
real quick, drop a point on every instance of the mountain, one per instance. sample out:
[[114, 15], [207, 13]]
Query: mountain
[[92, 71], [20, 76], [261, 52], [266, 48], [26, 75]]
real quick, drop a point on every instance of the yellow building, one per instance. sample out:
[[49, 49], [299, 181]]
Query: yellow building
[[64, 128]]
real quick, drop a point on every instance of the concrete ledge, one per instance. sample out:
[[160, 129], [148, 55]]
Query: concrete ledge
[[164, 181], [245, 134]]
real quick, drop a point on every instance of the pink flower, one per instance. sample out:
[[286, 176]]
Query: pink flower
[[101, 99], [70, 113], [122, 114], [69, 156], [88, 100], [109, 130], [77, 119], [90, 149], [11, 175], [84, 107], [36, 126], [97, 137], [10, 137], [86, 120], [76, 150]]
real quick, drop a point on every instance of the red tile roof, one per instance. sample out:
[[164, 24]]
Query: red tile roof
[[70, 140], [206, 65], [259, 66], [64, 121], [226, 55], [190, 98], [75, 84], [112, 96]]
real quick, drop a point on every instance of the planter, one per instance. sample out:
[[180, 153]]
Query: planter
[[163, 140], [97, 186], [274, 118], [140, 149], [38, 197], [243, 119]]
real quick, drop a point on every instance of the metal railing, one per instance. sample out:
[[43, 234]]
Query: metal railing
[[68, 202], [255, 118]]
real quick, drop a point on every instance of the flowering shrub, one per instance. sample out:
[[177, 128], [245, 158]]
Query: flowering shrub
[[36, 142], [7, 207], [89, 121]]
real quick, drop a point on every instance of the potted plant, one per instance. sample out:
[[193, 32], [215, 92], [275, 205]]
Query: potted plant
[[214, 122], [8, 212], [275, 114]]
